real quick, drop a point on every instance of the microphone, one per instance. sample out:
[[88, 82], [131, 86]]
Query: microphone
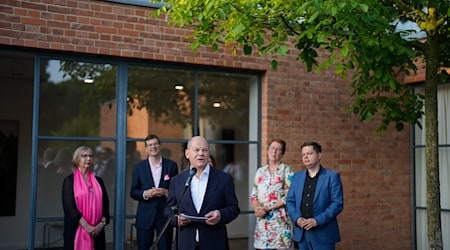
[[192, 172]]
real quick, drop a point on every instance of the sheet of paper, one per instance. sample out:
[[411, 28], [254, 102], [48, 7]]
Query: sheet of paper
[[194, 218]]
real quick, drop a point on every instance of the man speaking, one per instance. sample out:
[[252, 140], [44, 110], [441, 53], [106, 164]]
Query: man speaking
[[201, 202]]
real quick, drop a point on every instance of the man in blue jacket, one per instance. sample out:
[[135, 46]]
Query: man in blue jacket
[[150, 183], [202, 201], [314, 201]]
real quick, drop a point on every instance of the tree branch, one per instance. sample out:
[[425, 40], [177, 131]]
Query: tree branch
[[417, 45], [288, 26]]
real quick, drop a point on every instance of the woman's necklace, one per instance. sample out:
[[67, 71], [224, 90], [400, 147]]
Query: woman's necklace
[[88, 184]]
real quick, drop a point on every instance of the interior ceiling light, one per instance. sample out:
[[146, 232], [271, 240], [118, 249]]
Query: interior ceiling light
[[88, 81], [179, 87], [217, 104]]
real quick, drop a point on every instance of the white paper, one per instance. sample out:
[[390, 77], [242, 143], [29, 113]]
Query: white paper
[[194, 218]]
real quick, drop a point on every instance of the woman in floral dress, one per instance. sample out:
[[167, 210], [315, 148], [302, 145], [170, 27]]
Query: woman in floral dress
[[273, 228]]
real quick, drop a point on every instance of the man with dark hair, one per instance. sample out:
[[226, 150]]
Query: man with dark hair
[[149, 185], [314, 200]]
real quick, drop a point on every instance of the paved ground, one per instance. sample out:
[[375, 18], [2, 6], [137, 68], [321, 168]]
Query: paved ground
[[235, 244], [238, 244]]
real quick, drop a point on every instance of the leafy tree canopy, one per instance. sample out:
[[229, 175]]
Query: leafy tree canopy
[[361, 36]]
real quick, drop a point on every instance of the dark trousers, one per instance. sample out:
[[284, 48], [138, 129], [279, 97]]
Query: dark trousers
[[145, 239]]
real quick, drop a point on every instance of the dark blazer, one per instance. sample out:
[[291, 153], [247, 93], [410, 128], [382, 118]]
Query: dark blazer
[[142, 179], [328, 203], [72, 215], [219, 195]]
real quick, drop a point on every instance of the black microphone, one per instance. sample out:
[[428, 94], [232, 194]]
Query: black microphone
[[192, 172]]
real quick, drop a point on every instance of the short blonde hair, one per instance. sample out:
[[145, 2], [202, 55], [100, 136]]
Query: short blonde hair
[[78, 152]]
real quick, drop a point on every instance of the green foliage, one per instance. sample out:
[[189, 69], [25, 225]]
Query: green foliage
[[361, 37]]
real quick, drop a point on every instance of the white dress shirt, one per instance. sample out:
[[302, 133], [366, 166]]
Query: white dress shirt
[[198, 190], [156, 171]]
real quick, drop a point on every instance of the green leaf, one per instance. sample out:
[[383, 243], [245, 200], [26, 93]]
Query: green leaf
[[260, 39], [304, 6], [282, 50], [339, 70], [393, 84], [221, 13], [238, 29], [364, 7], [313, 17], [274, 64], [378, 73], [334, 10], [195, 45], [247, 49], [345, 51], [321, 37]]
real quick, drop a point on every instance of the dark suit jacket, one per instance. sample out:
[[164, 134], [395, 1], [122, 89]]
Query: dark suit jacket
[[219, 195], [72, 215], [142, 179], [328, 203]]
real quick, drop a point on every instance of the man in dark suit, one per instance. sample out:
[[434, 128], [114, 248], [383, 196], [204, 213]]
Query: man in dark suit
[[208, 196], [150, 184], [314, 201]]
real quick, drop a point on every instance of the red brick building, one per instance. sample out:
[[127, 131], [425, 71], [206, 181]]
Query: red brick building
[[293, 105]]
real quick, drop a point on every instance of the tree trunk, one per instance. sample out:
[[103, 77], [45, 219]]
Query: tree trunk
[[431, 148]]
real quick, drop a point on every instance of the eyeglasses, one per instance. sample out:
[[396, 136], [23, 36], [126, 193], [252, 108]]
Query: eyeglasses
[[153, 145], [87, 156]]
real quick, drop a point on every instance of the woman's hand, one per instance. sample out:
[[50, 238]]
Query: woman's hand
[[89, 228], [260, 212], [97, 229]]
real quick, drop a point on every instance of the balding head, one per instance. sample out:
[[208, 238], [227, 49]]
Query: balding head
[[197, 152]]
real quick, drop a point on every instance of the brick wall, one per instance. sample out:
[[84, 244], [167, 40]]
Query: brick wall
[[297, 106]]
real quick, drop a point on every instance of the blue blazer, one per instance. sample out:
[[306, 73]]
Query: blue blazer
[[220, 195], [142, 179], [328, 203]]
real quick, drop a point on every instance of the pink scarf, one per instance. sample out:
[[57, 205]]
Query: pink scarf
[[89, 202]]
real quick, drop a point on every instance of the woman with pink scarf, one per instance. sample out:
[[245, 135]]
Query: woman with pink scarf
[[86, 205]]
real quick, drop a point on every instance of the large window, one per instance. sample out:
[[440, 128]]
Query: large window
[[111, 105], [444, 171], [177, 104], [76, 107]]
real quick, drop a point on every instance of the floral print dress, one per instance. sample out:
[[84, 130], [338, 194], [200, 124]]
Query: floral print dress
[[275, 230]]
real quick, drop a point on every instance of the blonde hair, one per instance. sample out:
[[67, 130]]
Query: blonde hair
[[77, 154]]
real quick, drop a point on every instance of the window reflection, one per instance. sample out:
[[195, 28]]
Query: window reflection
[[55, 163], [233, 159], [160, 101], [77, 99], [224, 105]]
